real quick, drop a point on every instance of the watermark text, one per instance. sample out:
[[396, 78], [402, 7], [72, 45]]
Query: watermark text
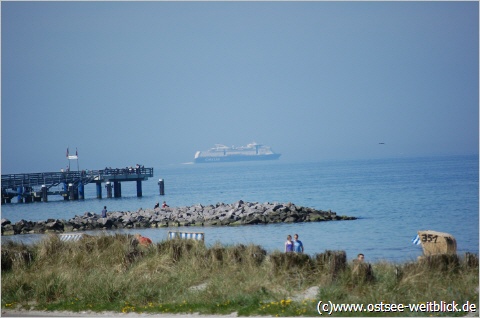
[[329, 307]]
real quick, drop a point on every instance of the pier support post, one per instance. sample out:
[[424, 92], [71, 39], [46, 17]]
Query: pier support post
[[81, 191], [117, 189], [4, 197], [161, 185], [20, 194], [71, 191], [44, 193], [99, 190], [65, 189], [139, 188], [108, 185], [28, 195]]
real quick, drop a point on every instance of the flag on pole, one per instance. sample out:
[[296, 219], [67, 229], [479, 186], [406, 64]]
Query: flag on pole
[[416, 240], [72, 157]]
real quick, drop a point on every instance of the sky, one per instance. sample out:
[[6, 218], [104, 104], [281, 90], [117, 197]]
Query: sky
[[153, 82]]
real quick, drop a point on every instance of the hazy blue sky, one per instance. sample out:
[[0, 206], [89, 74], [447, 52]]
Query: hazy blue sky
[[153, 82]]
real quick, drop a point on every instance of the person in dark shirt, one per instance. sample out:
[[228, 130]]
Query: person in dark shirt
[[104, 212]]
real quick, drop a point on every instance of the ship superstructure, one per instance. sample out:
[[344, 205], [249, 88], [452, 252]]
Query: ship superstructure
[[222, 153]]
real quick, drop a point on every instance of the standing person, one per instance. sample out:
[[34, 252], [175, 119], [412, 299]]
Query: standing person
[[104, 212], [297, 244], [289, 244]]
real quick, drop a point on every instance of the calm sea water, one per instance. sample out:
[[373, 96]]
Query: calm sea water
[[392, 199]]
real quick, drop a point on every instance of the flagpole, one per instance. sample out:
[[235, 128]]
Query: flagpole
[[78, 164], [68, 159]]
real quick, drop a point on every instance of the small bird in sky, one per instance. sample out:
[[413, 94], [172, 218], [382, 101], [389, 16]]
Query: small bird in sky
[[381, 143]]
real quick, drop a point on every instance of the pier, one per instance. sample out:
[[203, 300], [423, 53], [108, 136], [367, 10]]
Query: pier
[[36, 187]]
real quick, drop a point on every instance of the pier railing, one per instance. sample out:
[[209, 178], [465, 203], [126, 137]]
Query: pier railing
[[50, 179]]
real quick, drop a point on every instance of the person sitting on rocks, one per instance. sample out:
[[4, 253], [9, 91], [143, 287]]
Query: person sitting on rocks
[[157, 205], [164, 205]]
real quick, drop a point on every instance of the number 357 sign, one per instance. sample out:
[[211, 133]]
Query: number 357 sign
[[429, 238], [437, 243]]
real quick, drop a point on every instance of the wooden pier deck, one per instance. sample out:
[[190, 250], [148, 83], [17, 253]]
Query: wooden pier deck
[[30, 187]]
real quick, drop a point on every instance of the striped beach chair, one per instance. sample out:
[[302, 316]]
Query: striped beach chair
[[70, 237], [197, 236]]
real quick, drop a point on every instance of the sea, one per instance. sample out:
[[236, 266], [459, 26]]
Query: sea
[[392, 199]]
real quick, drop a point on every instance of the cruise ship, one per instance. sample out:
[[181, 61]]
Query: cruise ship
[[222, 153]]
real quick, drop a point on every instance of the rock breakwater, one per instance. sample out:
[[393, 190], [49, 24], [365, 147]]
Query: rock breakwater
[[221, 214]]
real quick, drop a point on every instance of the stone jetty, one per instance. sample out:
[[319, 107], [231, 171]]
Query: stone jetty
[[221, 214]]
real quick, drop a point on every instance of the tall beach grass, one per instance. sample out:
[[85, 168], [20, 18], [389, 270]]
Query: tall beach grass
[[112, 273]]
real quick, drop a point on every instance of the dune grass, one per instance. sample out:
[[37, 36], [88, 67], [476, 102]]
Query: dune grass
[[110, 273]]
